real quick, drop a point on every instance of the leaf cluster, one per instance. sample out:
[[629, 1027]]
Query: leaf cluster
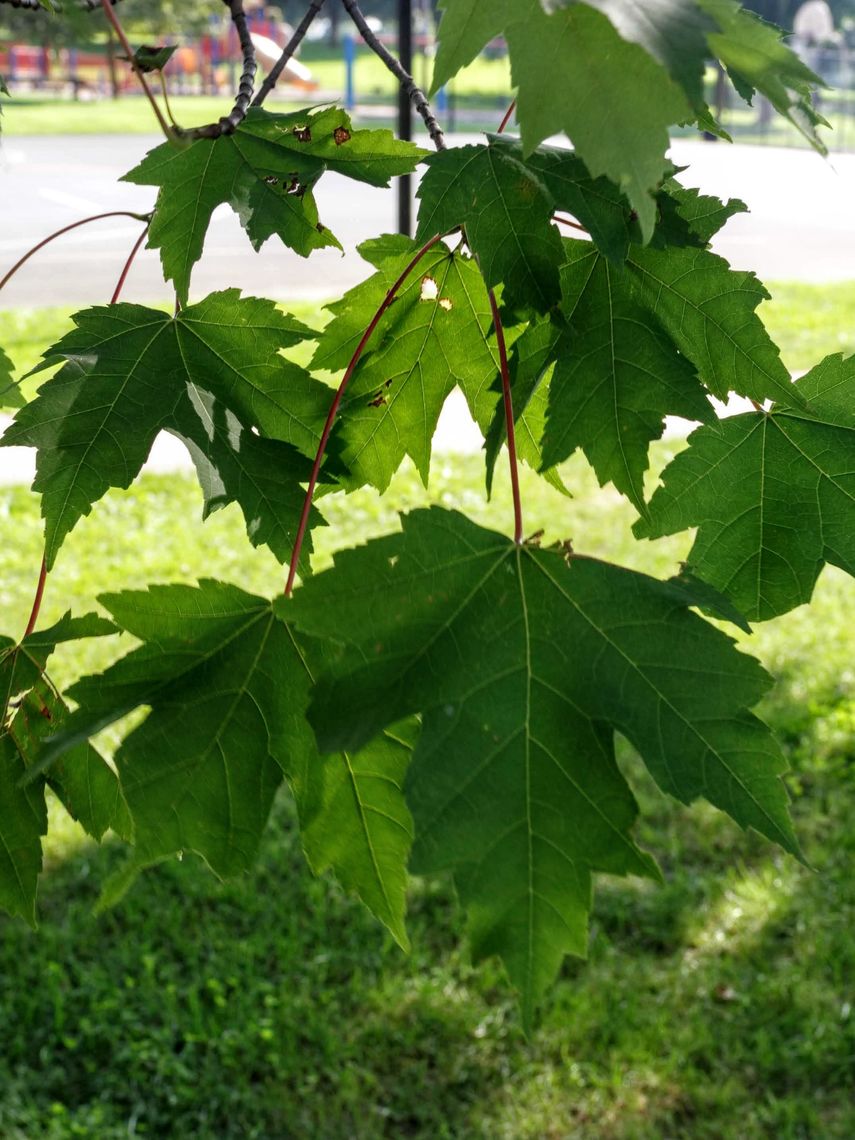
[[445, 699]]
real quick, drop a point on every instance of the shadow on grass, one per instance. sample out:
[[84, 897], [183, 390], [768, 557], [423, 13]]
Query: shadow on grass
[[715, 1005]]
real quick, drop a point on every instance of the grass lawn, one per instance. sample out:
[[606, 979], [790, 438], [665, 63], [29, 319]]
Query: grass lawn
[[718, 1005]]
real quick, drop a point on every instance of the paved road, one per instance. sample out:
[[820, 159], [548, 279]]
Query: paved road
[[802, 227], [802, 224]]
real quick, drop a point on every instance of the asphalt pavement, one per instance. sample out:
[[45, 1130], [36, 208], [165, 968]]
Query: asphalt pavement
[[801, 227]]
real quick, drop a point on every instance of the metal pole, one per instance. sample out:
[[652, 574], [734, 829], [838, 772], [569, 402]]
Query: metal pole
[[405, 113]]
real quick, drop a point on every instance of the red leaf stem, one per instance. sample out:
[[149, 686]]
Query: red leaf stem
[[83, 222], [120, 284], [509, 419], [37, 600], [507, 117], [331, 415], [129, 51]]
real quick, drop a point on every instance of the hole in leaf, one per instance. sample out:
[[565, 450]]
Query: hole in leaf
[[272, 180], [445, 303], [430, 290], [303, 134]]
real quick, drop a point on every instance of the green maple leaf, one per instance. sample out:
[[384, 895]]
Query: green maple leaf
[[265, 171], [200, 772], [128, 374], [531, 365], [596, 202], [704, 214], [708, 310], [617, 375], [522, 663], [235, 465], [757, 59], [507, 216], [148, 57], [465, 29], [434, 336], [83, 781], [10, 394], [227, 682], [23, 822], [575, 74], [773, 496], [673, 32]]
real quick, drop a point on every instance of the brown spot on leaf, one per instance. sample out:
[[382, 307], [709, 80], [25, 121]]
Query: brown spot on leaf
[[303, 134], [341, 135], [297, 188], [378, 401]]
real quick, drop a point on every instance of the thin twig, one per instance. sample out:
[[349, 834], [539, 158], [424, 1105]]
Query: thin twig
[[35, 5], [416, 95], [568, 222], [229, 123], [507, 117], [123, 276], [331, 415], [83, 222], [287, 52], [129, 51], [509, 418]]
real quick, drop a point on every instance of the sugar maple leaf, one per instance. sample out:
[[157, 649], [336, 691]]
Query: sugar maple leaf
[[772, 495], [265, 171], [523, 664]]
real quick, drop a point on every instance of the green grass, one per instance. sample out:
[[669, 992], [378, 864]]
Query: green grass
[[718, 1005], [806, 321]]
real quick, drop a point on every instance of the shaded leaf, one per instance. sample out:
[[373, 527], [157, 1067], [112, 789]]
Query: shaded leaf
[[708, 310], [23, 822], [148, 57], [264, 476], [522, 664], [617, 375], [265, 171], [128, 372], [531, 365], [434, 336], [757, 59], [773, 495], [215, 668], [507, 218], [10, 394]]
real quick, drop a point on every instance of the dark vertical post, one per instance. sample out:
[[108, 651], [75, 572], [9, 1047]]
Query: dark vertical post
[[405, 113]]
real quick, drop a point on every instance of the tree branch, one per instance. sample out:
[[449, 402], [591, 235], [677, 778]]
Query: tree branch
[[416, 95], [288, 51], [229, 123], [123, 40]]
